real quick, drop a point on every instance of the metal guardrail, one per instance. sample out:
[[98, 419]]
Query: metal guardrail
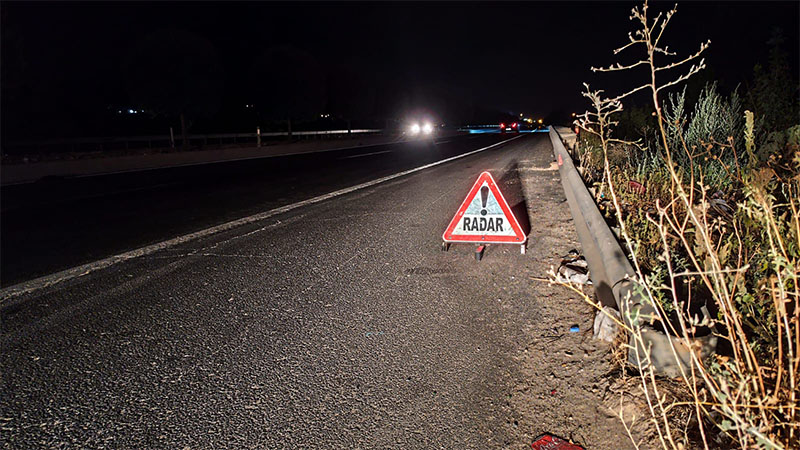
[[167, 139], [611, 274]]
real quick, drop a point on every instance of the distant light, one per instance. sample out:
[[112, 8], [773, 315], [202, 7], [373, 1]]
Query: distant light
[[427, 128], [130, 111], [514, 125], [415, 128], [573, 114], [502, 125], [540, 120]]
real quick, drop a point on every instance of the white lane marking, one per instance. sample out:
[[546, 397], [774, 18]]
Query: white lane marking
[[85, 269], [365, 154], [442, 142]]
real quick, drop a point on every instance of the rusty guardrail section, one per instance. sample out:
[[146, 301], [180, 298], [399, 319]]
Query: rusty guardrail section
[[611, 275]]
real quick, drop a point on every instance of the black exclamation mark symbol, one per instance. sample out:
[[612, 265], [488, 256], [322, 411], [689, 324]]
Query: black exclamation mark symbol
[[484, 198]]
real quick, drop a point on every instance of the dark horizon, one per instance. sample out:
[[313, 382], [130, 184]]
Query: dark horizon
[[65, 70]]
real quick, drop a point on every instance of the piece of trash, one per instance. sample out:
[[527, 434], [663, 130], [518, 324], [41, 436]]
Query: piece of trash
[[574, 329], [553, 392], [573, 269], [605, 324], [553, 338], [373, 333], [550, 442], [719, 208], [636, 187]]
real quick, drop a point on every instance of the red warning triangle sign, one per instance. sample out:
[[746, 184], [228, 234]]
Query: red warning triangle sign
[[484, 217]]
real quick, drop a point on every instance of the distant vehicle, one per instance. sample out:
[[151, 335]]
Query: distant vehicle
[[422, 129], [510, 127]]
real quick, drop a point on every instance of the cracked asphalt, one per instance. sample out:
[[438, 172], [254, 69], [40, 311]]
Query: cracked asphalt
[[336, 325]]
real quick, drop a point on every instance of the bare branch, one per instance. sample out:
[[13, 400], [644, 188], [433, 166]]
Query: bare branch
[[632, 42], [664, 24], [703, 48], [664, 50], [652, 27], [632, 91], [637, 143], [619, 66], [693, 70]]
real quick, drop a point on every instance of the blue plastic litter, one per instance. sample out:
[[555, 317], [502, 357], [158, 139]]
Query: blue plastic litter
[[574, 329]]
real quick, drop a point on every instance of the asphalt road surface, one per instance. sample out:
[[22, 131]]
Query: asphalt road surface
[[55, 224], [339, 324]]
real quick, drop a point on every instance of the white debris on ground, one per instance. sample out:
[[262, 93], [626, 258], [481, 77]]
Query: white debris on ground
[[606, 324], [573, 269]]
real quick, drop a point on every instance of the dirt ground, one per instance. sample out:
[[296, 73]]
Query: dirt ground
[[570, 375]]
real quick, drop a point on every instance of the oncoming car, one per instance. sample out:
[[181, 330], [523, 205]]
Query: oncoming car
[[422, 129]]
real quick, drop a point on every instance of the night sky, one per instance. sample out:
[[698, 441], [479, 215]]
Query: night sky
[[66, 60]]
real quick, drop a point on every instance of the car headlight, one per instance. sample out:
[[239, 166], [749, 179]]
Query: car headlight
[[427, 128], [415, 129]]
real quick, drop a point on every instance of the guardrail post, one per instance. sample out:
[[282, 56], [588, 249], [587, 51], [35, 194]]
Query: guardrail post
[[171, 138], [258, 136]]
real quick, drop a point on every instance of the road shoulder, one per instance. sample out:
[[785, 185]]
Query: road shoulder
[[567, 374]]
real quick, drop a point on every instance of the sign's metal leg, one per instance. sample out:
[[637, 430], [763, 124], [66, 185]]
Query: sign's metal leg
[[522, 249], [445, 246], [479, 252]]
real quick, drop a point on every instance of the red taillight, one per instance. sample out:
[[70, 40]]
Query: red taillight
[[514, 125], [502, 125]]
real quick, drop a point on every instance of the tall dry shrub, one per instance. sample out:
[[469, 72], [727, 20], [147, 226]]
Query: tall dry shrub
[[743, 256]]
